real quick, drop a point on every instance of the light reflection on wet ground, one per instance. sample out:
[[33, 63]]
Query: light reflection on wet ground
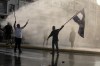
[[44, 58]]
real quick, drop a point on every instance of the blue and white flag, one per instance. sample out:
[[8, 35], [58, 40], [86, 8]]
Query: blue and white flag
[[80, 20]]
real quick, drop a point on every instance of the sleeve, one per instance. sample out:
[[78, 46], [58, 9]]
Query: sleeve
[[50, 34], [60, 28]]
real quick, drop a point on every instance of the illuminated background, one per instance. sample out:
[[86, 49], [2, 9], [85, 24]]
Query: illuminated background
[[43, 14]]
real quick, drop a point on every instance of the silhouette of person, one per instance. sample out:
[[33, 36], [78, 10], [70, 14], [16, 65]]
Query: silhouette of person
[[1, 34], [55, 40], [72, 37], [18, 36], [8, 30]]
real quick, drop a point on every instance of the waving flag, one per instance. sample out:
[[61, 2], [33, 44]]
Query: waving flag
[[79, 18]]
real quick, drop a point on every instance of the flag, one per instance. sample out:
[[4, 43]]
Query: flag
[[79, 18]]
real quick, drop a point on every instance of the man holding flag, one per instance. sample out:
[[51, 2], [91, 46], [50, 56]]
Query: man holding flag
[[78, 20], [55, 40]]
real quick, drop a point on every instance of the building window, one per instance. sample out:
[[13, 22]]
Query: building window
[[11, 7], [3, 7]]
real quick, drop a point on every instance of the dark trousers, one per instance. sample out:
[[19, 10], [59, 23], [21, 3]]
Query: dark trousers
[[17, 44], [55, 43]]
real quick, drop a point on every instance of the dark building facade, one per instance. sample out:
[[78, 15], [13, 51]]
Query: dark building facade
[[7, 6], [3, 8]]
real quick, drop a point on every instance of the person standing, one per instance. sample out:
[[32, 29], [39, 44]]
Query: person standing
[[1, 34], [55, 40], [8, 30], [18, 36], [72, 37]]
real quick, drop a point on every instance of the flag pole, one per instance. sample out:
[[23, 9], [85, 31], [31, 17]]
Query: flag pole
[[73, 16], [69, 19], [13, 8], [14, 15]]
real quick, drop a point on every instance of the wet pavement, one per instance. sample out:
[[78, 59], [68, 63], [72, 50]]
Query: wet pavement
[[31, 57]]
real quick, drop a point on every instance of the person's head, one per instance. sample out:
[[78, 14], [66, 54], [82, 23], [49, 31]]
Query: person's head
[[18, 25], [53, 28]]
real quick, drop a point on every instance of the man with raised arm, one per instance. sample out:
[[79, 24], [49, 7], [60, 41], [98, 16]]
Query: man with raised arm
[[18, 36], [55, 40]]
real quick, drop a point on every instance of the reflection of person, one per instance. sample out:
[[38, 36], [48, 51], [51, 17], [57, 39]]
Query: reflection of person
[[71, 59], [18, 36], [72, 37], [54, 61], [6, 60], [17, 61], [8, 30], [54, 35]]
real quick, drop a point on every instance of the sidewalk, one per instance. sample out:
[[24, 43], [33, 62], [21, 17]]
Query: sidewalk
[[74, 50]]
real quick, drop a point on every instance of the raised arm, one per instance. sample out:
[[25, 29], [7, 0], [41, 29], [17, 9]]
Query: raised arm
[[61, 27], [15, 25], [25, 24]]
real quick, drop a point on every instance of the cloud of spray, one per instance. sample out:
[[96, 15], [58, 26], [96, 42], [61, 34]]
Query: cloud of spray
[[42, 15]]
